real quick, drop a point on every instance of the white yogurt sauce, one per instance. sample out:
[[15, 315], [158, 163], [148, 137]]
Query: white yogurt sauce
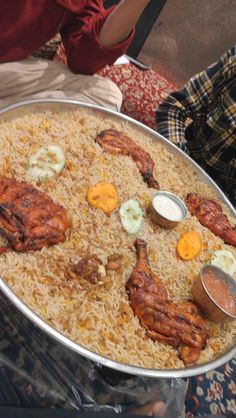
[[167, 207]]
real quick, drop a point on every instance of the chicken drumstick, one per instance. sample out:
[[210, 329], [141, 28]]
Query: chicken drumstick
[[179, 325], [117, 142]]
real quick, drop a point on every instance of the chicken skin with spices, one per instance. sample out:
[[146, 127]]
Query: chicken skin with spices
[[177, 324], [210, 214], [117, 142], [29, 219]]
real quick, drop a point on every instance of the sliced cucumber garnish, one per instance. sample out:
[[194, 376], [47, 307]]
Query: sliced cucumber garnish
[[225, 260], [46, 163], [131, 216]]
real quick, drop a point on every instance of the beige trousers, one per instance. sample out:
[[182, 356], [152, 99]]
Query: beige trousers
[[39, 78]]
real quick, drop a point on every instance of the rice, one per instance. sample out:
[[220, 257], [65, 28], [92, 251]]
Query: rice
[[98, 316]]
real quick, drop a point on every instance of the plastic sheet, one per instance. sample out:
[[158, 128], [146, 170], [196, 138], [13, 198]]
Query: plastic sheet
[[37, 371]]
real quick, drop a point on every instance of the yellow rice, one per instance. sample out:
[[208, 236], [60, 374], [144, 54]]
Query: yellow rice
[[98, 316]]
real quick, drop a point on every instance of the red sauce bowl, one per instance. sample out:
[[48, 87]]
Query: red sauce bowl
[[214, 292]]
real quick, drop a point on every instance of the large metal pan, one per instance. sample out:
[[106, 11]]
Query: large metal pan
[[29, 106]]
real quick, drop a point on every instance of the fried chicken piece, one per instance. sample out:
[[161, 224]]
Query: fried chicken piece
[[210, 215], [179, 325], [117, 142], [29, 220]]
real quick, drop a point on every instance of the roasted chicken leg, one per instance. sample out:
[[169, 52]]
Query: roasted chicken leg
[[179, 325], [117, 142], [29, 220], [210, 215]]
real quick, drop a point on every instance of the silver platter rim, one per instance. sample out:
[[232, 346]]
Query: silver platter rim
[[42, 105]]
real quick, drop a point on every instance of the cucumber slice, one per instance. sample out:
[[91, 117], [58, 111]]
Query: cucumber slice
[[131, 216], [225, 260], [46, 163]]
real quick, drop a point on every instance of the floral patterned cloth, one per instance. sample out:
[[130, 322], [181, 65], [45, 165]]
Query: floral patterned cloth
[[142, 90], [213, 393]]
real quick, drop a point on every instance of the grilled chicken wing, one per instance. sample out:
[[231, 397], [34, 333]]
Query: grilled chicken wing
[[210, 215], [29, 219], [117, 142], [179, 325]]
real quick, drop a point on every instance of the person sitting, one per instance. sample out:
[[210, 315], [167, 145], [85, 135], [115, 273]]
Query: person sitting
[[209, 100], [92, 36]]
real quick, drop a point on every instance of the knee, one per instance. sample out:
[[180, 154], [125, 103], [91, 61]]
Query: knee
[[112, 95], [118, 97]]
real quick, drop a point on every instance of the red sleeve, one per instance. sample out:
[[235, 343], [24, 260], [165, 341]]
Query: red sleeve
[[85, 53]]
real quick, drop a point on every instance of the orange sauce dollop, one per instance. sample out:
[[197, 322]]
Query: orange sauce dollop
[[220, 292]]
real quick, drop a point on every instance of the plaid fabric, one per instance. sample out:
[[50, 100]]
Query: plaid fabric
[[209, 100]]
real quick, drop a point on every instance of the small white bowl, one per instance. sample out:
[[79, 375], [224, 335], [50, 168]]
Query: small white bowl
[[165, 220]]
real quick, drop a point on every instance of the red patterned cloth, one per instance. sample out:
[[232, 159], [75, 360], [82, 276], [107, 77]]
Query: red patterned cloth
[[142, 90]]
